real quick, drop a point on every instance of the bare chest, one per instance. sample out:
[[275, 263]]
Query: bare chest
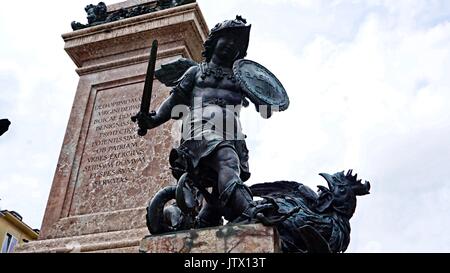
[[222, 86]]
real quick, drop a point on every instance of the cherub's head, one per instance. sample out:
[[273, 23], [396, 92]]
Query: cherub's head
[[228, 39]]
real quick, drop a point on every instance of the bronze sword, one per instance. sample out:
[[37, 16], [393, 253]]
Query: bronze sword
[[148, 86]]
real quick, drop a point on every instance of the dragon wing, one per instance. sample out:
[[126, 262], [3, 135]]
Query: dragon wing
[[279, 187], [284, 188], [170, 73]]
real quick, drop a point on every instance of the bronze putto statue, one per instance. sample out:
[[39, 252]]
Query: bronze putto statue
[[211, 162]]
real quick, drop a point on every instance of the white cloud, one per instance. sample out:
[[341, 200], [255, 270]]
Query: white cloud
[[350, 99], [38, 85]]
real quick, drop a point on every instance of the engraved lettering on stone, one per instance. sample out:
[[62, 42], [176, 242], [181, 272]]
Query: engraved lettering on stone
[[115, 151]]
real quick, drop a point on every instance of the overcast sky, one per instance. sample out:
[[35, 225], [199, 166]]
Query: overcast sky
[[369, 89]]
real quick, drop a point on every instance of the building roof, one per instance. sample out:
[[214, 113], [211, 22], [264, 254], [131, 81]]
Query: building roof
[[16, 219]]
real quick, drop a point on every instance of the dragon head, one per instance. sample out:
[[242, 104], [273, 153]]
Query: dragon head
[[341, 192]]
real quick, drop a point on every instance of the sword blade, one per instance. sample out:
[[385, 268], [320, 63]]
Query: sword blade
[[148, 85]]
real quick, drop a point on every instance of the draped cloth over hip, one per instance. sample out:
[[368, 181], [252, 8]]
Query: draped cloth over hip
[[205, 130]]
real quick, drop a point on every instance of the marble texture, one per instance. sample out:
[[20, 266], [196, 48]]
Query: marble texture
[[118, 241], [106, 174], [253, 238]]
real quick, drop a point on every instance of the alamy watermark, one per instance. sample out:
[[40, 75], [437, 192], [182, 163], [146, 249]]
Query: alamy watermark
[[212, 119]]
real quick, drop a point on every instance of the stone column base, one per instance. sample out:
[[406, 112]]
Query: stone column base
[[126, 241], [254, 238]]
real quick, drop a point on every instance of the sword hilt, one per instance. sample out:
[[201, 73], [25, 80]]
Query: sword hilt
[[142, 131]]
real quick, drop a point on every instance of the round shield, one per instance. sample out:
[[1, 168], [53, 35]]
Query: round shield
[[260, 85]]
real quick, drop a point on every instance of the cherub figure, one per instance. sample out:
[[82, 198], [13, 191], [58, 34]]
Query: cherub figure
[[212, 152]]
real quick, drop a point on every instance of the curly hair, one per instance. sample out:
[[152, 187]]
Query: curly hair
[[210, 45]]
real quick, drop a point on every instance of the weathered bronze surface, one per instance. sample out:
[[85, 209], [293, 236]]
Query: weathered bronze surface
[[148, 86], [260, 85], [316, 222], [211, 163]]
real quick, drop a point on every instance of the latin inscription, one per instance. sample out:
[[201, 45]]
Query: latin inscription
[[113, 150]]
